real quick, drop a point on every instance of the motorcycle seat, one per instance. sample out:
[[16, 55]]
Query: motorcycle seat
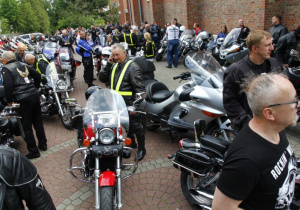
[[4, 124], [216, 143], [157, 92]]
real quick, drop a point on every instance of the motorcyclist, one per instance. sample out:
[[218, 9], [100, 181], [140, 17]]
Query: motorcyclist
[[129, 38], [19, 180], [20, 53], [38, 62], [128, 85], [285, 44]]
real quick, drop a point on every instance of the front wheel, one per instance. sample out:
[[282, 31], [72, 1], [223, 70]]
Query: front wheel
[[188, 182], [67, 114], [107, 197]]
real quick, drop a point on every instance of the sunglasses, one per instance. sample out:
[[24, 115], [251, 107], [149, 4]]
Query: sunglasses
[[296, 101]]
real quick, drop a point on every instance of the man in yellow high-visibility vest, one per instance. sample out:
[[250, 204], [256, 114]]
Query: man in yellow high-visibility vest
[[125, 76]]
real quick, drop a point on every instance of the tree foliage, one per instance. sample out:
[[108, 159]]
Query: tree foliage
[[8, 10], [28, 16], [5, 26]]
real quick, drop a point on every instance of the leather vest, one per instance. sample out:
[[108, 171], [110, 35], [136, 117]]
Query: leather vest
[[23, 84]]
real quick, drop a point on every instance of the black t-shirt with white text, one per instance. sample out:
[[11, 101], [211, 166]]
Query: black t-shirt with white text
[[259, 173]]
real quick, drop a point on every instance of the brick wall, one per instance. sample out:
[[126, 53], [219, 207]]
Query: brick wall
[[212, 14], [289, 11]]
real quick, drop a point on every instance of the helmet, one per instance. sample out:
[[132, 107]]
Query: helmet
[[204, 35], [293, 75], [182, 29], [90, 91], [97, 52]]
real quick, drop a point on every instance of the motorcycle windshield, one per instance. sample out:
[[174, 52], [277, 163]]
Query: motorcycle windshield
[[204, 67], [231, 37], [55, 79], [50, 45], [64, 55], [107, 109], [186, 35]]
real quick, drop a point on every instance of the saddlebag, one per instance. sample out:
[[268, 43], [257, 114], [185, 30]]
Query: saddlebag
[[192, 161]]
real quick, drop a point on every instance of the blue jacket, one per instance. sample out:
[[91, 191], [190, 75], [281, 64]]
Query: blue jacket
[[84, 48]]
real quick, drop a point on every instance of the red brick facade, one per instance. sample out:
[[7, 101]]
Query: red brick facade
[[211, 14]]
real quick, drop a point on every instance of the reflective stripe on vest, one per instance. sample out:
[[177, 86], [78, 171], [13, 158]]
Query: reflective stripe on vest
[[40, 57], [130, 39], [152, 50], [122, 93]]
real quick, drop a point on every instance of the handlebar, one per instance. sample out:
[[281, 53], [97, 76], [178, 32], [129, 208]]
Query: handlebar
[[186, 144]]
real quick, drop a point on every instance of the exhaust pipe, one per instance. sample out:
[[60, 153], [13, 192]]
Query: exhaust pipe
[[204, 194]]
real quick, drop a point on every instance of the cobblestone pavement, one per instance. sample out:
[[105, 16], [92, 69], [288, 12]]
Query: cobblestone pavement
[[156, 185]]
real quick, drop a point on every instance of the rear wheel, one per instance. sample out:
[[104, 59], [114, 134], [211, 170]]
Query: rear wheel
[[188, 182], [107, 197], [159, 56]]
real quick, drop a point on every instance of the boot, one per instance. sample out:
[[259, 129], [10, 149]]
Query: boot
[[141, 154]]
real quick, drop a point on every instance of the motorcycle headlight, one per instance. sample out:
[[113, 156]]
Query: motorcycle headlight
[[61, 85], [66, 67], [107, 136]]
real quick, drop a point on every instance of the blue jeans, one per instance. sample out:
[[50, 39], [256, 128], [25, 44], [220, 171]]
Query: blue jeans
[[173, 46]]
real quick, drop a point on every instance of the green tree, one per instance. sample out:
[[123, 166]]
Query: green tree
[[41, 14], [5, 26], [27, 21], [8, 10]]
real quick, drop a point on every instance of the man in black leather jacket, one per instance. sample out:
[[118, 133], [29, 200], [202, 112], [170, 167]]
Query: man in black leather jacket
[[277, 30], [19, 180], [18, 85], [131, 83], [284, 46], [259, 61], [129, 38]]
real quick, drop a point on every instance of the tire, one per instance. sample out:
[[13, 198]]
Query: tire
[[66, 119], [107, 197], [158, 57], [188, 182], [214, 130]]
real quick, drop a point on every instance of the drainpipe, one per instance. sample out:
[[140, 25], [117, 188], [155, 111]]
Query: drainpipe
[[129, 7], [140, 9]]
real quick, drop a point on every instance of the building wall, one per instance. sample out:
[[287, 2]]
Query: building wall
[[288, 9], [212, 14]]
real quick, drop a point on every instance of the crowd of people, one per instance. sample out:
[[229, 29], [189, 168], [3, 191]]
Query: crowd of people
[[258, 99]]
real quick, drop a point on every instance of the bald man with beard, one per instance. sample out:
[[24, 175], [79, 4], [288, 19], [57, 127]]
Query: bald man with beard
[[20, 53]]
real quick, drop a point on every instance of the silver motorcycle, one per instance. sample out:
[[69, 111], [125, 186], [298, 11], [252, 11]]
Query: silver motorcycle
[[200, 98]]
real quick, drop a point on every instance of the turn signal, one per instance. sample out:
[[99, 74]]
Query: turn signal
[[128, 141], [86, 142], [180, 143], [235, 50], [211, 114]]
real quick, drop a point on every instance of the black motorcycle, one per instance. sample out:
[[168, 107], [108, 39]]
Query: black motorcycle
[[200, 162], [10, 123], [163, 48], [54, 95]]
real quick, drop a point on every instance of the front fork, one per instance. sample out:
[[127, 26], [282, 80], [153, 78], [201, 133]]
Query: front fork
[[119, 187], [59, 102]]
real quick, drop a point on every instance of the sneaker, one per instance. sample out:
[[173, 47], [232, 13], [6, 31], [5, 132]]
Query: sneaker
[[33, 155]]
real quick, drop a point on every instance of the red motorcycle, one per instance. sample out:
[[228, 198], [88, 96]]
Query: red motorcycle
[[101, 136]]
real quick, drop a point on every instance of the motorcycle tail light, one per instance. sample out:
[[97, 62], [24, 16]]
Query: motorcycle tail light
[[86, 142], [211, 114], [128, 141]]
